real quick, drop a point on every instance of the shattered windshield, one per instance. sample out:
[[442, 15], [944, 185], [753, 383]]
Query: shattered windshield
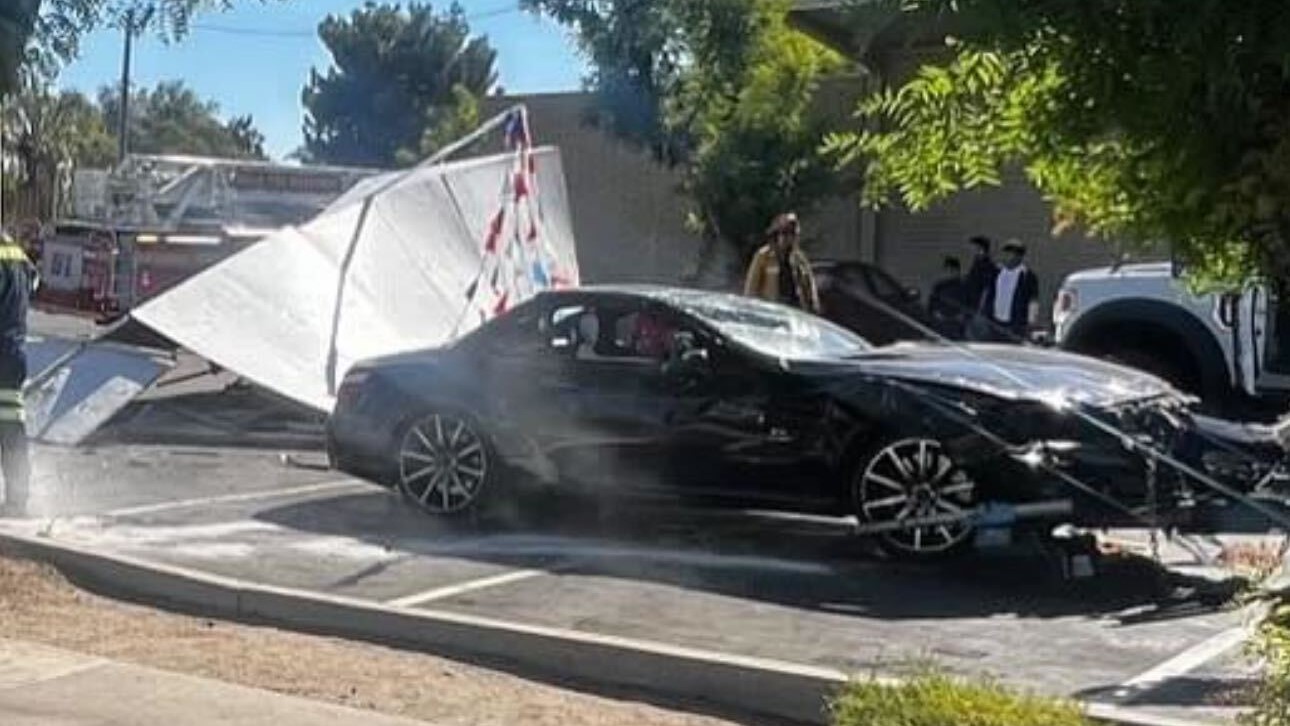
[[776, 330]]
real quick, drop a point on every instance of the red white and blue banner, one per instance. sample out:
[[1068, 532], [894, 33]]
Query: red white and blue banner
[[519, 258], [401, 262]]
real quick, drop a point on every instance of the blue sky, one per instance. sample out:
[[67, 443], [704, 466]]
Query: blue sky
[[255, 59]]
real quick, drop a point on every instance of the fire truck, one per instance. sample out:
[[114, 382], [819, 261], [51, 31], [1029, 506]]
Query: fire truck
[[153, 221]]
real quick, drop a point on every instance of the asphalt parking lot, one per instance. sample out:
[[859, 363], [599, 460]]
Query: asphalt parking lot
[[785, 589], [150, 485]]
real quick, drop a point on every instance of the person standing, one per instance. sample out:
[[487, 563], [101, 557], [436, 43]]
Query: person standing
[[1012, 301], [780, 271], [981, 273], [948, 303], [17, 281]]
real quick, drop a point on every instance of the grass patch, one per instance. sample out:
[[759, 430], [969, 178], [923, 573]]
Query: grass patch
[[1272, 645], [935, 699]]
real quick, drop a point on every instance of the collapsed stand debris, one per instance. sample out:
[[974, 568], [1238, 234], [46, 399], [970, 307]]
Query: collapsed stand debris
[[1192, 468]]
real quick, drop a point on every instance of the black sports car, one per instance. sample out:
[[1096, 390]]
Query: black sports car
[[723, 399]]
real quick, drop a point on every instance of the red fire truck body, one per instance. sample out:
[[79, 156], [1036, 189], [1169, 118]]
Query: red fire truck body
[[153, 222]]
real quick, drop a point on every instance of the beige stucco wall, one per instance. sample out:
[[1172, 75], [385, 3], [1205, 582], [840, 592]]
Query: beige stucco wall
[[912, 245], [630, 220]]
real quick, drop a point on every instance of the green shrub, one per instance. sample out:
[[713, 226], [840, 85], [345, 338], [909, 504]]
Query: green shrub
[[940, 700], [1272, 644]]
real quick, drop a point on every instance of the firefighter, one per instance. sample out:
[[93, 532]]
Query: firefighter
[[17, 282]]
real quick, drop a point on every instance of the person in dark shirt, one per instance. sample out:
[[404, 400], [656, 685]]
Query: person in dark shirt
[[981, 273], [948, 303], [979, 278]]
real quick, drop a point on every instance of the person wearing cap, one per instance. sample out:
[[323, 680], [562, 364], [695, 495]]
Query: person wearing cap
[[948, 303], [780, 271], [17, 282], [1012, 302]]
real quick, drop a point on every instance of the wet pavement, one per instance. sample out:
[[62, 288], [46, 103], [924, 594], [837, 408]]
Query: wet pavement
[[789, 589], [740, 583]]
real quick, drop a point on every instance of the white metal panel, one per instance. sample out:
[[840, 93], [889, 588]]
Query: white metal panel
[[268, 312], [74, 387]]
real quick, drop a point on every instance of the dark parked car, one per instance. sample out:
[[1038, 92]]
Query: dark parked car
[[867, 300], [719, 398]]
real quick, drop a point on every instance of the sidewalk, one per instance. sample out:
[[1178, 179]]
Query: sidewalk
[[42, 686]]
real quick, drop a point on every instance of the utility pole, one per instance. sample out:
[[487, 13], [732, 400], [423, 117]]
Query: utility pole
[[134, 22], [123, 120]]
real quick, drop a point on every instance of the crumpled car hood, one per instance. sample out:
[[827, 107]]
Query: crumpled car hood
[[1016, 372]]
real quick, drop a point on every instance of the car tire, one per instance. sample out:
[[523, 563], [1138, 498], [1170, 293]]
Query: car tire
[[445, 465], [903, 478]]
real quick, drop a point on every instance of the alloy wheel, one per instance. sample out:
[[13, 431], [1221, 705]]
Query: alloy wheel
[[914, 480], [443, 464]]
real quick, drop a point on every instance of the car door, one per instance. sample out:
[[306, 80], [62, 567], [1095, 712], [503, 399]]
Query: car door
[[520, 364], [1262, 349], [739, 427], [605, 431]]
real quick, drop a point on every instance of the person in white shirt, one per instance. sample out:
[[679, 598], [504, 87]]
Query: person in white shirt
[[1011, 302]]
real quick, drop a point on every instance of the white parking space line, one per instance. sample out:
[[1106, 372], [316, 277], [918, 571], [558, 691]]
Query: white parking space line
[[1183, 663], [483, 583], [329, 486]]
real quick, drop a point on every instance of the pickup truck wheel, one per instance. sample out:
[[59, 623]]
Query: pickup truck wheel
[[1216, 400]]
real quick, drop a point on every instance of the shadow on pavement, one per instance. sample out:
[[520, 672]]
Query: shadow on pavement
[[236, 416], [1185, 692], [792, 563]]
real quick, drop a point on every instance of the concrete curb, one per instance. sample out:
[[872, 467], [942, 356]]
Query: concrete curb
[[730, 684], [1121, 716], [723, 683]]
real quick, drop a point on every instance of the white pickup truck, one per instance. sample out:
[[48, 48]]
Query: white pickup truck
[[1226, 348]]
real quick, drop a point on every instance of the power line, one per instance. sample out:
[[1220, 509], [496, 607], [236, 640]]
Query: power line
[[258, 32], [254, 31]]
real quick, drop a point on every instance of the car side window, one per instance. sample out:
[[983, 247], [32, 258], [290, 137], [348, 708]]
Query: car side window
[[884, 285], [610, 333], [850, 279], [558, 327], [645, 335], [515, 335]]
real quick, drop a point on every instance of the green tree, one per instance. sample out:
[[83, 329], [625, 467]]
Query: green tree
[[17, 20], [172, 119], [637, 51], [1149, 121], [393, 76], [721, 89], [446, 124], [48, 134]]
